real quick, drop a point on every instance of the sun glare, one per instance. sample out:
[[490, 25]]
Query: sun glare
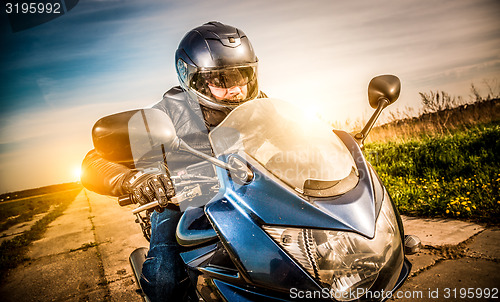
[[77, 173], [312, 112]]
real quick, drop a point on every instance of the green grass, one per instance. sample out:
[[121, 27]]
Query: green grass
[[455, 175], [13, 251]]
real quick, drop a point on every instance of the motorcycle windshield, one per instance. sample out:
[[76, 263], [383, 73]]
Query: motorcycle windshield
[[299, 149]]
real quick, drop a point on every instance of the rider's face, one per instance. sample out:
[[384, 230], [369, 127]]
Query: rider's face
[[235, 93]]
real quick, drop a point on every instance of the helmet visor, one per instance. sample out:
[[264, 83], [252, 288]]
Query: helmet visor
[[227, 86]]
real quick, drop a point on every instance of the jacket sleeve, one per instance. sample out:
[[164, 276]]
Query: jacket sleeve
[[103, 176]]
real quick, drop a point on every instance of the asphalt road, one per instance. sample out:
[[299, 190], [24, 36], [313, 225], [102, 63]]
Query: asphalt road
[[84, 257]]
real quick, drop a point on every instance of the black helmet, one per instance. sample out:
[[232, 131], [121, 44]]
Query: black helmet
[[217, 63]]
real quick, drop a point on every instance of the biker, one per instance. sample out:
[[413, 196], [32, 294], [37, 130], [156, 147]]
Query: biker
[[217, 70]]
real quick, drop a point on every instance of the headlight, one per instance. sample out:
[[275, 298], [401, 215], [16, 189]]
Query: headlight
[[344, 262]]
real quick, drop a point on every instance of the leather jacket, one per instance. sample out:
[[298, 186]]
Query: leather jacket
[[192, 124]]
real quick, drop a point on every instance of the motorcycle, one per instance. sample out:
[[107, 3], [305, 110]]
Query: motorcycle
[[296, 212]]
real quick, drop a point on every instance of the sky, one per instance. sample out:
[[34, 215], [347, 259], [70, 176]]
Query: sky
[[106, 56]]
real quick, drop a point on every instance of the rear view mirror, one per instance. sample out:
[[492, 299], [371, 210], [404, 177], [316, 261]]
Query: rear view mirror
[[382, 91], [384, 87], [128, 136]]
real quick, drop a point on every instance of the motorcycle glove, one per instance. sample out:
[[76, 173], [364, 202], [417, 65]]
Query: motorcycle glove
[[148, 187]]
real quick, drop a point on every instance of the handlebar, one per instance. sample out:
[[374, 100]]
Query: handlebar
[[125, 200], [190, 184]]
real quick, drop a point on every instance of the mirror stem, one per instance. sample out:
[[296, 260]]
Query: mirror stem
[[186, 148], [361, 136]]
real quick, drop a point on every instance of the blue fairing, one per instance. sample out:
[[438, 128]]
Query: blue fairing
[[253, 251], [238, 212], [260, 269]]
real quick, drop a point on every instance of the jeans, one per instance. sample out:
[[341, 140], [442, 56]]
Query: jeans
[[163, 269]]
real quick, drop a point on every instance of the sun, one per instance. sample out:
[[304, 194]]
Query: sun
[[77, 173], [312, 112]]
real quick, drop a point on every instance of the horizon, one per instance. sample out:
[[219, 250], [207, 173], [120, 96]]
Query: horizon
[[34, 189]]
